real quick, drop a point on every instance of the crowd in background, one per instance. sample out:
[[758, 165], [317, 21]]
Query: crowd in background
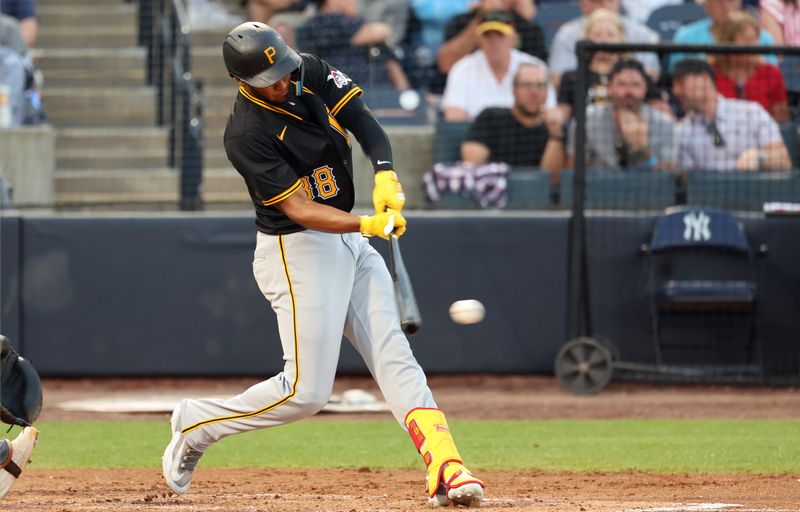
[[492, 64], [507, 68]]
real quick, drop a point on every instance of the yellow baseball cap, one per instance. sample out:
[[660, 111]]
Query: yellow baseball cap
[[499, 21]]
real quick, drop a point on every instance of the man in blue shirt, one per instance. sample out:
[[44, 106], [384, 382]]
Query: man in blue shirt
[[702, 31]]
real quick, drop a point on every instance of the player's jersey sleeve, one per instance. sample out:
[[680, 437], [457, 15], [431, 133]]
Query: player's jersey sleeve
[[269, 178], [333, 85]]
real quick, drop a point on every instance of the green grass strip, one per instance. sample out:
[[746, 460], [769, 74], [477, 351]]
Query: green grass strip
[[552, 445]]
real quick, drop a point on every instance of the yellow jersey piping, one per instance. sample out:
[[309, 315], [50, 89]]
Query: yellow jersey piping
[[283, 195], [266, 105], [296, 360], [347, 97]]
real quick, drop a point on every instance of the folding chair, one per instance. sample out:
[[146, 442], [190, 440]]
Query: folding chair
[[703, 282]]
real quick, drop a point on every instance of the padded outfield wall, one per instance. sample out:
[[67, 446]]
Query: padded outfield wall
[[175, 295]]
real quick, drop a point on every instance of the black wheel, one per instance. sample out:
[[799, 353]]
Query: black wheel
[[584, 366]]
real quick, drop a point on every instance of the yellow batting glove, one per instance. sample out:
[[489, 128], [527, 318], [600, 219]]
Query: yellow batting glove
[[388, 194], [383, 224]]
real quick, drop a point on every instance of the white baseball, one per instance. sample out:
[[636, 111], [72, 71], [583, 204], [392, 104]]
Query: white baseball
[[409, 100], [465, 312]]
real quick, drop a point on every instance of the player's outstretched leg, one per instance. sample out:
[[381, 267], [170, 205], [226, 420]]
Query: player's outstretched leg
[[447, 480], [179, 459], [14, 456]]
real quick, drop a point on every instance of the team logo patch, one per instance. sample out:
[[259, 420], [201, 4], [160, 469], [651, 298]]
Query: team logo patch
[[339, 78]]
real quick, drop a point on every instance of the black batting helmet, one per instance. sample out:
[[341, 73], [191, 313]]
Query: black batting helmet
[[257, 55]]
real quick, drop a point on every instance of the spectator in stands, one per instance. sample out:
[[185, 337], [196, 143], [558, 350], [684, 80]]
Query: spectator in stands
[[640, 10], [781, 18], [602, 26], [424, 37], [13, 72], [339, 35], [624, 133], [24, 11], [483, 79], [433, 17], [392, 12], [264, 10], [562, 52], [517, 135], [706, 31], [747, 76], [461, 37], [721, 134]]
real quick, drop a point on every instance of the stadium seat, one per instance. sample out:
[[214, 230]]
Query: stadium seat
[[623, 190], [741, 190], [551, 16], [447, 141], [702, 290], [528, 188], [666, 20]]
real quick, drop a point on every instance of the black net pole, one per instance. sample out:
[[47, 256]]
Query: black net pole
[[578, 317]]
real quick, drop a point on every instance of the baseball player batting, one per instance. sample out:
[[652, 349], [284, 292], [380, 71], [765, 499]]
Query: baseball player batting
[[287, 137]]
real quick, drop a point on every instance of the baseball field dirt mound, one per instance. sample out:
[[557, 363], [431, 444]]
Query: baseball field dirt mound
[[362, 490]]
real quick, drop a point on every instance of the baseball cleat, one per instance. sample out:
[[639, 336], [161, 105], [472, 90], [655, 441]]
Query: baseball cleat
[[457, 486], [18, 454], [179, 459]]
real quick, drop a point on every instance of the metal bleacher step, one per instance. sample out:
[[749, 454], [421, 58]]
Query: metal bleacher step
[[100, 106], [133, 139], [80, 36], [223, 185], [72, 67], [77, 15], [113, 159], [120, 186]]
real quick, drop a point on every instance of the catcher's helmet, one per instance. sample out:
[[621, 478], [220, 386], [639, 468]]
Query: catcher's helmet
[[257, 55]]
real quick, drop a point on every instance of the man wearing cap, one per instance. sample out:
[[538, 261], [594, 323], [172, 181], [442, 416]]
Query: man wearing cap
[[483, 78], [461, 38], [288, 137]]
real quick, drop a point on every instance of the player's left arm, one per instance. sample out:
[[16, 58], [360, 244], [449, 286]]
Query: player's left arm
[[342, 97], [356, 117]]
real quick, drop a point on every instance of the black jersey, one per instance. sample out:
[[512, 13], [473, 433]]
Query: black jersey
[[299, 144]]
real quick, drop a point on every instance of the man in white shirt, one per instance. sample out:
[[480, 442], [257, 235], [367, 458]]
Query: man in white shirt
[[720, 134], [484, 78]]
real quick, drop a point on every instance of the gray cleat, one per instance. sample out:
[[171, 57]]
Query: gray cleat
[[179, 459]]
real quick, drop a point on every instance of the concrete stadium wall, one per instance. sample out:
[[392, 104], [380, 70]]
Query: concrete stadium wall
[[27, 160], [412, 150], [174, 295]]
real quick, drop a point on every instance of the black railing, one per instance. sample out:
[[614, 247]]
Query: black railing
[[164, 30]]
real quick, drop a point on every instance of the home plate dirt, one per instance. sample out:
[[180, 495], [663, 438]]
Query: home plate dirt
[[357, 490], [367, 490]]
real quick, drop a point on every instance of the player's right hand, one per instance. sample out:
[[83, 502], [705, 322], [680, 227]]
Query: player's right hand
[[383, 224]]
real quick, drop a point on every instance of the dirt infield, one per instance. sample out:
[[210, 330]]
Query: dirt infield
[[474, 397], [366, 490]]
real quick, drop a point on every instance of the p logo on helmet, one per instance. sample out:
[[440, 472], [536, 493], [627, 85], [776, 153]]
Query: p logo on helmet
[[270, 53]]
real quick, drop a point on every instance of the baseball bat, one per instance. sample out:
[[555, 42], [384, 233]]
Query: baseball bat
[[410, 319]]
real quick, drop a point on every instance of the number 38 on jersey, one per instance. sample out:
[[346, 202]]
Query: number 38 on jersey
[[320, 183]]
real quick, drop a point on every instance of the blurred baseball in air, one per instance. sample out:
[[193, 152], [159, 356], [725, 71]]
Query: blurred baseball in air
[[468, 311], [409, 100]]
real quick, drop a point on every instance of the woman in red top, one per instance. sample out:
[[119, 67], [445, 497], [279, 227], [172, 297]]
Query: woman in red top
[[747, 76]]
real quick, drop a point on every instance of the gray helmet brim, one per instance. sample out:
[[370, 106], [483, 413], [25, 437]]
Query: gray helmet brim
[[273, 75]]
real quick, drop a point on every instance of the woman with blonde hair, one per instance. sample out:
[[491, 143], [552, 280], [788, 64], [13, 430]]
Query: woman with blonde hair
[[601, 26], [748, 76]]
